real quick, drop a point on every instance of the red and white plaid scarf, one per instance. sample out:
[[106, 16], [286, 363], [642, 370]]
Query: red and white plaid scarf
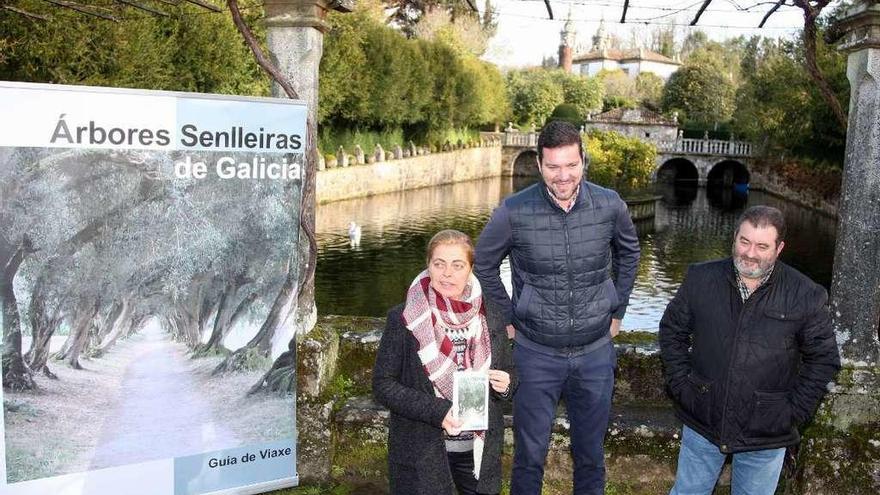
[[427, 315]]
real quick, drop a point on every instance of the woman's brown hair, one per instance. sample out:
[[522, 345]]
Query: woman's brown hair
[[450, 236]]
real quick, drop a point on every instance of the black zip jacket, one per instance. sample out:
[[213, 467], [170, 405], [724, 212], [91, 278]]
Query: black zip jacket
[[745, 375]]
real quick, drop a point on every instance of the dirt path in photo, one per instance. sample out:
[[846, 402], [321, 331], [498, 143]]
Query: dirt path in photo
[[159, 412]]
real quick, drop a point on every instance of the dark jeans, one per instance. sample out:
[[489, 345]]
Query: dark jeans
[[585, 382], [462, 466]]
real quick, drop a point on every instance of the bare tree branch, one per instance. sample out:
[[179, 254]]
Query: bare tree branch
[[26, 13], [770, 12], [811, 13], [260, 57], [700, 12], [145, 8], [306, 214], [206, 5], [82, 9]]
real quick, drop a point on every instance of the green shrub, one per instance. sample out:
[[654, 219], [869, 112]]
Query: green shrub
[[619, 162], [373, 77], [568, 113]]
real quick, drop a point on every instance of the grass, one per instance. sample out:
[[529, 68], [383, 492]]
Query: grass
[[32, 461]]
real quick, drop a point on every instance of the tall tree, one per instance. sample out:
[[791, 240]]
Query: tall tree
[[700, 93]]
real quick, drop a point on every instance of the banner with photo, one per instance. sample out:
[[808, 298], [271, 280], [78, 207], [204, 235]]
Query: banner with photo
[[149, 254]]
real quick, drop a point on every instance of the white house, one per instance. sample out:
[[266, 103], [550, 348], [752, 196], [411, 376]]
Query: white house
[[632, 62]]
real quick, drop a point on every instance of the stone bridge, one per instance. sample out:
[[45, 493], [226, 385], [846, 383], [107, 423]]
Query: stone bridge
[[703, 161]]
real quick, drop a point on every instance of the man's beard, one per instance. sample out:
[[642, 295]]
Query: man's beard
[[744, 271], [555, 193]]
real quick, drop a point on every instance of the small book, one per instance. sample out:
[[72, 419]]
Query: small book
[[470, 399]]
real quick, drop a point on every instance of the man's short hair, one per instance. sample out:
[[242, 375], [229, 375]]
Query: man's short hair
[[763, 216], [559, 133]]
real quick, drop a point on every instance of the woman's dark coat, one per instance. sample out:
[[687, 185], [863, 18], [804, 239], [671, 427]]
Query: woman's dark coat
[[417, 462]]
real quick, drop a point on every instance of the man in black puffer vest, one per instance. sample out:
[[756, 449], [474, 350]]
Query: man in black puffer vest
[[573, 257], [748, 352]]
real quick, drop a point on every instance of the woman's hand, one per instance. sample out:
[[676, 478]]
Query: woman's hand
[[451, 425], [500, 380]]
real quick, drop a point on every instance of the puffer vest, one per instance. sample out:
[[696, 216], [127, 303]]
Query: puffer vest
[[563, 294]]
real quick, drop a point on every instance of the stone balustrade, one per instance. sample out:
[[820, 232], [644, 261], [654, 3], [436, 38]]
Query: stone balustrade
[[680, 145], [707, 147], [524, 139]]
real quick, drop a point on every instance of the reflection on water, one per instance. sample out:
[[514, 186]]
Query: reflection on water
[[691, 225]]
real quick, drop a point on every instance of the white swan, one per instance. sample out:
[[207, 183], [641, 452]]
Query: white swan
[[354, 234]]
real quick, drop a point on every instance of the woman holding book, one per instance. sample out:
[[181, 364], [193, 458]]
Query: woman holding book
[[443, 328]]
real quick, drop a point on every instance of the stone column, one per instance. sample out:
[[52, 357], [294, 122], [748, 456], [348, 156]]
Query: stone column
[[840, 452], [855, 289], [295, 36]]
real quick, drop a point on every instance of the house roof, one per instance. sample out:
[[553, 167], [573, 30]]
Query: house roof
[[624, 56], [632, 116]]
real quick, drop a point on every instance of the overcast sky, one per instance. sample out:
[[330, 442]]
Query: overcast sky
[[525, 34]]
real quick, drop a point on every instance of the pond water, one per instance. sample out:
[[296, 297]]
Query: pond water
[[692, 224]]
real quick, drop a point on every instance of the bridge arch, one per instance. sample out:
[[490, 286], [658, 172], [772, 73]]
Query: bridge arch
[[727, 173], [526, 164], [677, 170]]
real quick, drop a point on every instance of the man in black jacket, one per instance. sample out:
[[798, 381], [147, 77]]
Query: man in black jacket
[[565, 237], [748, 352]]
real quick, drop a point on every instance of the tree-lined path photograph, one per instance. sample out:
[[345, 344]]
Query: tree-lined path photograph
[[141, 312]]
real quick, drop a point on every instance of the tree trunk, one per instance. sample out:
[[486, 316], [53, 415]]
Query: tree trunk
[[62, 353], [38, 355], [16, 375], [260, 346], [43, 327], [307, 81], [107, 323], [225, 321], [119, 326], [219, 319], [281, 377], [81, 332], [184, 325]]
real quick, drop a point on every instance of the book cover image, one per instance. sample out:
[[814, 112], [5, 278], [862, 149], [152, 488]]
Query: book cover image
[[470, 399]]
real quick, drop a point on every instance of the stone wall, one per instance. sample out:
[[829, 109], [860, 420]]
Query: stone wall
[[342, 432], [653, 133], [764, 179], [415, 168]]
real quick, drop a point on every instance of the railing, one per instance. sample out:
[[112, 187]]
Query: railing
[[527, 139], [682, 145], [707, 147]]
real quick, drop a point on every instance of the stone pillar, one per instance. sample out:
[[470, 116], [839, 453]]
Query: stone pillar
[[295, 36], [855, 289], [841, 449], [341, 157], [359, 155], [379, 153]]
